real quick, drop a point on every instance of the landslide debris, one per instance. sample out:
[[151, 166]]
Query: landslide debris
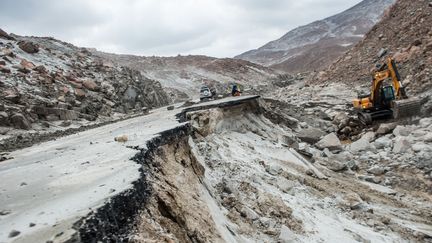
[[184, 75], [240, 177], [48, 85]]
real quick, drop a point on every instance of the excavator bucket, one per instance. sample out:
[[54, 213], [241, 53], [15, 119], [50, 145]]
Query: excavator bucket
[[406, 108]]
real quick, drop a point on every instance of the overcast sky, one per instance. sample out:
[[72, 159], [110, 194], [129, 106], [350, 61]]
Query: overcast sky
[[221, 28]]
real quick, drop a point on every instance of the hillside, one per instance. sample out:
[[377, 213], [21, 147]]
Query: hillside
[[405, 33], [313, 46], [182, 76], [49, 83]]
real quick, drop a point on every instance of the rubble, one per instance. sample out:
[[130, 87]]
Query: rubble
[[330, 141], [401, 131], [376, 170], [28, 47], [90, 85], [310, 135], [383, 142], [286, 235], [20, 121], [335, 165], [401, 145], [361, 145], [69, 83]]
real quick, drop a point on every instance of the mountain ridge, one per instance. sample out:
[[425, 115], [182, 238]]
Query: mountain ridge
[[302, 47]]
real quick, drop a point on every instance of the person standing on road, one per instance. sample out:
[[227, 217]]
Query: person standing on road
[[235, 90]]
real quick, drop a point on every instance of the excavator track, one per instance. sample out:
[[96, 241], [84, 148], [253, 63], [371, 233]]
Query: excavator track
[[365, 118], [406, 108]]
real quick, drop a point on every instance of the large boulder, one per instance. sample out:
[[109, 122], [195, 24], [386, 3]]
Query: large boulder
[[419, 147], [290, 140], [4, 69], [12, 95], [383, 142], [369, 136], [428, 138], [4, 118], [377, 170], [248, 213], [425, 122], [286, 235], [27, 64], [401, 145], [335, 165], [91, 85], [386, 128], [401, 131], [76, 84], [19, 121], [361, 145], [66, 114], [331, 141], [274, 169], [340, 119], [310, 135], [29, 47], [5, 35], [80, 94]]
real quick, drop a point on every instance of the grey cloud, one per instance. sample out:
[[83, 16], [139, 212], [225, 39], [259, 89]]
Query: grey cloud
[[169, 27]]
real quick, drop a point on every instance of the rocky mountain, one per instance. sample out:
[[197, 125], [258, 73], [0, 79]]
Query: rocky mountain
[[405, 33], [45, 81], [313, 46], [182, 76]]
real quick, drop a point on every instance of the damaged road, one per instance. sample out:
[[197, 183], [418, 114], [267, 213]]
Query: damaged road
[[48, 188], [231, 171]]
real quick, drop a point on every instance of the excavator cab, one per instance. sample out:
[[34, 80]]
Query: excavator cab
[[386, 101], [387, 94]]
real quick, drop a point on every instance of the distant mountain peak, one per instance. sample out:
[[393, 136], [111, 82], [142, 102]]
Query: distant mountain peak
[[317, 44]]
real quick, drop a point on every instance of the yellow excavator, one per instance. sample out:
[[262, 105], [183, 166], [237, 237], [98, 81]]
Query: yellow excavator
[[386, 101]]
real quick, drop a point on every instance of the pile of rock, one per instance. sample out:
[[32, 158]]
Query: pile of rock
[[45, 80], [377, 155]]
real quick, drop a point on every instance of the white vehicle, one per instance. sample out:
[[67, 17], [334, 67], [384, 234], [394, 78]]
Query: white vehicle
[[205, 93]]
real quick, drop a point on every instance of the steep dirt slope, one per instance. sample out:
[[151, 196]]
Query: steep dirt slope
[[405, 33], [183, 75], [316, 45]]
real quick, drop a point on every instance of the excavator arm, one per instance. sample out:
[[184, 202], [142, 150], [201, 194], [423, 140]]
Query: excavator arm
[[388, 70], [397, 85], [379, 104]]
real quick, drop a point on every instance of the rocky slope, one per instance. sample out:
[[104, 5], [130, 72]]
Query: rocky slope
[[313, 46], [183, 75], [239, 177], [405, 34], [45, 82]]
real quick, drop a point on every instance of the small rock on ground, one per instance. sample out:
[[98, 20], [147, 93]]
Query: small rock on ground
[[14, 233]]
